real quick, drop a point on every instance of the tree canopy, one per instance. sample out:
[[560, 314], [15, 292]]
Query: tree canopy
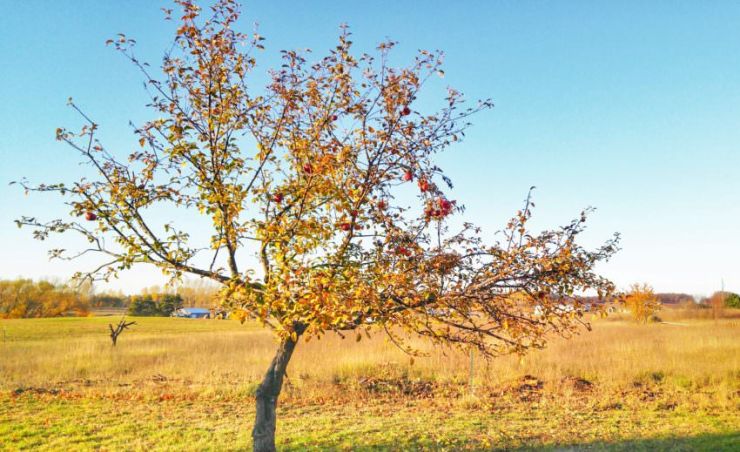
[[314, 195], [327, 178]]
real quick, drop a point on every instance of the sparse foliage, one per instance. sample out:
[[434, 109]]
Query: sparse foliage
[[313, 194]]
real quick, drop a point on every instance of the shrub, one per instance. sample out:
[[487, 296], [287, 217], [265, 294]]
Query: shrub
[[641, 302]]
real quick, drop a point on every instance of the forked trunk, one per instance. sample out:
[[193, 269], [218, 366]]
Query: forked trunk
[[268, 391]]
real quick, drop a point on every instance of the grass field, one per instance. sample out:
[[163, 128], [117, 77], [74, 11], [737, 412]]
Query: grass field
[[177, 384]]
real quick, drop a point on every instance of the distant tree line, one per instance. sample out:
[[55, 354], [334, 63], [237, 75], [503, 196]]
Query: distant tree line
[[109, 300], [674, 298], [723, 299], [730, 299], [25, 298]]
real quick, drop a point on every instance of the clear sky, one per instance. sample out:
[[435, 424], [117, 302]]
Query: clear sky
[[631, 107]]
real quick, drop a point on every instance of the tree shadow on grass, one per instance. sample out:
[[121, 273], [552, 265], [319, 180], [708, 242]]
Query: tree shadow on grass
[[704, 442]]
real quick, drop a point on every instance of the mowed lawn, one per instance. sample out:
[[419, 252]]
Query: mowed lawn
[[178, 384]]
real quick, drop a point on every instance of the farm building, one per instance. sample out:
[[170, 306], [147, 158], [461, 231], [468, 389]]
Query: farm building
[[192, 313]]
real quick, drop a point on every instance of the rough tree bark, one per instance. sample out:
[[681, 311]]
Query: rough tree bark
[[263, 434]]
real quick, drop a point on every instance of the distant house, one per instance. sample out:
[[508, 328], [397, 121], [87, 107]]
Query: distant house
[[192, 313]]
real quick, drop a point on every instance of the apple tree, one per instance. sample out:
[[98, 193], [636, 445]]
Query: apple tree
[[328, 211]]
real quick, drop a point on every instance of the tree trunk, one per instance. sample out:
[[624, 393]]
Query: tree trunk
[[268, 391]]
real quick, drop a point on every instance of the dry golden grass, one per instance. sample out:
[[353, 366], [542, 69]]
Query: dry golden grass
[[50, 352], [188, 385]]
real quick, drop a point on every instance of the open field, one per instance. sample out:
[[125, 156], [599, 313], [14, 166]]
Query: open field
[[188, 384]]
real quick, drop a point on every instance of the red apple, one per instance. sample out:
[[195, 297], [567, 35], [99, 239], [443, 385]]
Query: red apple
[[277, 197], [382, 204], [439, 210], [90, 216], [307, 168], [423, 185], [408, 176], [334, 117], [402, 250], [406, 111], [345, 226]]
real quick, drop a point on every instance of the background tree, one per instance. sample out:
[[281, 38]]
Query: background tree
[[641, 301], [326, 179], [732, 300], [25, 298], [109, 300], [717, 303], [198, 292], [154, 305]]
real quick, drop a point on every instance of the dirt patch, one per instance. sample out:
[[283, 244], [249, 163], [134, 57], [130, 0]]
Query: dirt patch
[[646, 392], [405, 386], [668, 406], [32, 390], [529, 388], [159, 378], [578, 384]]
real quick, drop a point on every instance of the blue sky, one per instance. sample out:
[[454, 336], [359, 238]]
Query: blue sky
[[631, 107]]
